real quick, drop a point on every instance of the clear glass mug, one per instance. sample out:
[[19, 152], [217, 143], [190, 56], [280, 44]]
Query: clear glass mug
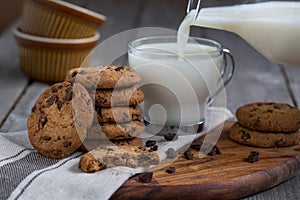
[[178, 88]]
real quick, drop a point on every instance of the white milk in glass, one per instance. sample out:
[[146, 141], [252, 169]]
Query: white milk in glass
[[176, 88], [272, 28]]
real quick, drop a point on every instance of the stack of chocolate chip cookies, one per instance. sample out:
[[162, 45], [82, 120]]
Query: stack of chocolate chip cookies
[[116, 101], [266, 124]]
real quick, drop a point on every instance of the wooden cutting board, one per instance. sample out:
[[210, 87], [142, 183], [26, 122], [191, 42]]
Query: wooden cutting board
[[225, 176]]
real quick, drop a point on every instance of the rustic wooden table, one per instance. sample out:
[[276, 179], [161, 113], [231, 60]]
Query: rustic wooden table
[[255, 79]]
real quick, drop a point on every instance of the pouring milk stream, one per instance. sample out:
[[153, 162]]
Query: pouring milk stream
[[272, 28]]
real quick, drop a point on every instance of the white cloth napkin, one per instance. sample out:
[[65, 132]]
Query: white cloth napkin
[[25, 174]]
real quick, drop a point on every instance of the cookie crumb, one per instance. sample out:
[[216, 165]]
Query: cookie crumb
[[170, 136], [146, 177], [170, 170], [171, 153], [253, 157], [208, 148]]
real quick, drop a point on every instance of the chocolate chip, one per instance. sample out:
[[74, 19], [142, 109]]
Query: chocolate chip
[[69, 94], [41, 109], [210, 148], [51, 100], [188, 154], [276, 107], [170, 136], [135, 117], [171, 153], [146, 177], [253, 157], [47, 138], [82, 72], [256, 123], [196, 145], [57, 152], [154, 148], [54, 89], [67, 144], [33, 108], [99, 112], [142, 148], [59, 104], [246, 136], [269, 111], [43, 121], [150, 143], [101, 100], [215, 150], [74, 73], [119, 69], [170, 170]]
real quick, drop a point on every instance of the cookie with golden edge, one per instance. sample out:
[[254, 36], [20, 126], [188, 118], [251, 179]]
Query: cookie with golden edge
[[59, 119], [243, 135]]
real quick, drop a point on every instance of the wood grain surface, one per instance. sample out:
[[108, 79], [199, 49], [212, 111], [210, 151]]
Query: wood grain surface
[[225, 176]]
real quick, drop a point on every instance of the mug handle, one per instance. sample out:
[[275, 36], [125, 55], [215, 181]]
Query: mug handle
[[227, 55]]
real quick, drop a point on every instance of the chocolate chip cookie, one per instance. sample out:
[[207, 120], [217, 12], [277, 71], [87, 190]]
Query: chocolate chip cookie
[[59, 119], [118, 114], [118, 97], [115, 131], [111, 156], [249, 137], [269, 117], [104, 77]]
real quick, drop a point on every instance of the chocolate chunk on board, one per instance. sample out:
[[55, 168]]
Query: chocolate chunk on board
[[146, 177], [171, 170], [188, 154], [253, 157]]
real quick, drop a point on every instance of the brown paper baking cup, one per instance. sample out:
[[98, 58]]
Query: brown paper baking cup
[[48, 60], [59, 19]]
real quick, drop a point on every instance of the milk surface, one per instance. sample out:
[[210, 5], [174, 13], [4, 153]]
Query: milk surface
[[272, 28], [176, 88]]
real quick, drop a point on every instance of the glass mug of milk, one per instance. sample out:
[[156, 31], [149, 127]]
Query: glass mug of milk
[[177, 87]]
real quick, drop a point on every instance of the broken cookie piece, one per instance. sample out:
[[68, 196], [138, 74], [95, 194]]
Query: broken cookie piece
[[112, 156]]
